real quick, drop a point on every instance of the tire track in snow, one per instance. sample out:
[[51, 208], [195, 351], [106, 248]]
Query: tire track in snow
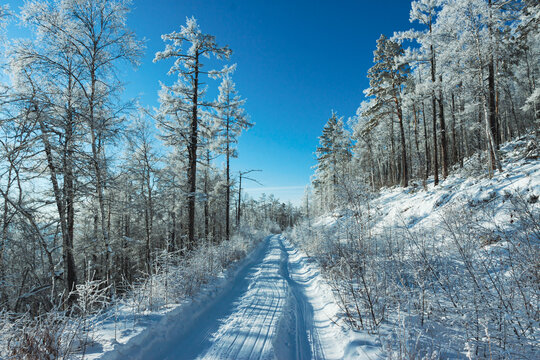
[[265, 314], [254, 320], [306, 343], [259, 314]]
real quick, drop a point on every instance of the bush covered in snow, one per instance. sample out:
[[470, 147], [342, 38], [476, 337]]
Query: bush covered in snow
[[176, 277]]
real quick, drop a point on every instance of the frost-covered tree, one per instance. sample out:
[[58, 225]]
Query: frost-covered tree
[[471, 74], [231, 119], [471, 24], [333, 157], [386, 79], [77, 219], [425, 12], [142, 165], [67, 79], [367, 150], [102, 42], [182, 104], [46, 73], [528, 39]]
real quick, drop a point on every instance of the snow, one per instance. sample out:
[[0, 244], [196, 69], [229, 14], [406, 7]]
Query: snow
[[307, 281], [399, 225], [274, 305], [416, 207]]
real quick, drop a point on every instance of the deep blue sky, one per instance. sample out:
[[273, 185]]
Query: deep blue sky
[[297, 61]]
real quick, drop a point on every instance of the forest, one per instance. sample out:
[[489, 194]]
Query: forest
[[424, 204], [422, 213], [95, 189], [465, 84]]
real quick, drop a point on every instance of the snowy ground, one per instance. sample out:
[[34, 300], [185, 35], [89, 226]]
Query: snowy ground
[[419, 208], [406, 231], [276, 306]]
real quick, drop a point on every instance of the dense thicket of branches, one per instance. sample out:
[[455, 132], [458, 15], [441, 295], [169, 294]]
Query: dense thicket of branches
[[461, 82], [90, 188]]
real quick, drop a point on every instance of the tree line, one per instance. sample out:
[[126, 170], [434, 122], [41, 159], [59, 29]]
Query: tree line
[[462, 81]]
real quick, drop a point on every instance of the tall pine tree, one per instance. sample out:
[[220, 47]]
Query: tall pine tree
[[185, 100], [386, 79]]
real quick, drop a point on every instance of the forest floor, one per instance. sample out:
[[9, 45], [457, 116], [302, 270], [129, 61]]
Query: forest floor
[[275, 306]]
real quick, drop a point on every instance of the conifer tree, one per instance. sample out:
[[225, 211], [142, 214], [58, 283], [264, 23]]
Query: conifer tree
[[230, 121], [333, 157], [387, 78], [184, 101]]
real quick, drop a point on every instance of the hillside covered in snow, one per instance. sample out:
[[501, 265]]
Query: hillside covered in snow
[[447, 271]]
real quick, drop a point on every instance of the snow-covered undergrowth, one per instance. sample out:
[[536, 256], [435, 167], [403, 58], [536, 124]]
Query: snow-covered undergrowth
[[99, 322], [447, 272]]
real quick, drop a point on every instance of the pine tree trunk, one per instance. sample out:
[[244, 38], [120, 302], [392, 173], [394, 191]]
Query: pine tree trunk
[[427, 156], [192, 161], [404, 168], [492, 105], [491, 91], [442, 124], [484, 99], [454, 141], [416, 140], [495, 162], [434, 109]]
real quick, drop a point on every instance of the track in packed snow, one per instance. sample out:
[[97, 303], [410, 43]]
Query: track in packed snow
[[265, 314]]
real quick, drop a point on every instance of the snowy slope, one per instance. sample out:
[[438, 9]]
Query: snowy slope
[[276, 306], [416, 207], [433, 251]]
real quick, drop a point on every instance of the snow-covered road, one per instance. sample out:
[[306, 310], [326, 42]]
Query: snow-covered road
[[273, 309], [264, 315]]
